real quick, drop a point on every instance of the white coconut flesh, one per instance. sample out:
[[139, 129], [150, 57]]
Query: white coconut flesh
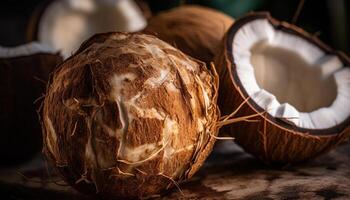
[[25, 50], [65, 24], [290, 77]]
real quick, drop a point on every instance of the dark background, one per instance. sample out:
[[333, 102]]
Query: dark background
[[329, 19]]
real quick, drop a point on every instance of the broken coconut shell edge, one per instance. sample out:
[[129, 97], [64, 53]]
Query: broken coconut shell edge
[[272, 140]]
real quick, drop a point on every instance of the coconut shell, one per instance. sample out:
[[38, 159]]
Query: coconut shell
[[270, 139], [22, 83], [34, 20], [128, 115], [195, 30], [144, 6]]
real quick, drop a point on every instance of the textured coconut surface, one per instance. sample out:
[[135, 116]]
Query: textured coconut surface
[[130, 110], [229, 173]]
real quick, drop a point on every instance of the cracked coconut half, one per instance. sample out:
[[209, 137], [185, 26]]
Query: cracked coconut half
[[65, 24], [24, 71], [299, 87], [129, 116]]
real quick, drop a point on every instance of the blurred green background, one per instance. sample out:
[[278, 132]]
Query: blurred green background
[[329, 19]]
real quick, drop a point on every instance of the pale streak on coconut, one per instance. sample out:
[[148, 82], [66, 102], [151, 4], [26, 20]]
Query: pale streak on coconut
[[51, 138], [297, 85], [144, 111]]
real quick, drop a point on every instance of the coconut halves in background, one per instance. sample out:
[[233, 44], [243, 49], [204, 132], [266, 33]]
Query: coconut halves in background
[[65, 24], [299, 87], [195, 30], [24, 71], [128, 116]]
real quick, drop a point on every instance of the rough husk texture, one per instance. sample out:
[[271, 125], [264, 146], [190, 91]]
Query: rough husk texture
[[264, 138], [195, 30], [128, 114], [22, 82]]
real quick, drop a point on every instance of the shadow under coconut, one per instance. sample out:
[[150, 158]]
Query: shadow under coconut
[[229, 173], [18, 191]]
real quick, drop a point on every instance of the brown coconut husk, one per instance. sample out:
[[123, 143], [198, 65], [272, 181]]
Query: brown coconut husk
[[268, 138], [23, 83], [195, 30], [106, 104]]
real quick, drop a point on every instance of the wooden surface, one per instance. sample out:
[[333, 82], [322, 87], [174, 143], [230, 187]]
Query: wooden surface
[[229, 173]]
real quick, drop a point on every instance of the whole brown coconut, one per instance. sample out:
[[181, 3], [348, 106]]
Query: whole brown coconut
[[195, 30], [265, 62], [129, 115], [24, 71]]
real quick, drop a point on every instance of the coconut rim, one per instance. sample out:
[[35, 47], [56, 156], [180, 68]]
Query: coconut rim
[[34, 20], [27, 50], [290, 29]]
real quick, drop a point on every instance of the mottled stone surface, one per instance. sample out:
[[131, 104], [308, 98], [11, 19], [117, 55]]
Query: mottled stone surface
[[229, 173]]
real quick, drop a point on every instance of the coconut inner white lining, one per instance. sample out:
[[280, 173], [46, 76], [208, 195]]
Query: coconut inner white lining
[[25, 50], [65, 24], [291, 78]]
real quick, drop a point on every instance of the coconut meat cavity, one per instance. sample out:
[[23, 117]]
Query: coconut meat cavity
[[291, 78]]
